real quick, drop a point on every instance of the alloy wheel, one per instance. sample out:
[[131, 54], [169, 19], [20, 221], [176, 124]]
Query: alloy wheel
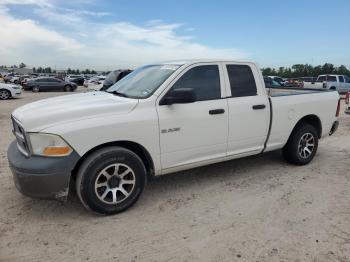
[[115, 183], [306, 145]]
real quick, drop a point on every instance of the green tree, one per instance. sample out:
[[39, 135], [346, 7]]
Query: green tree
[[22, 65]]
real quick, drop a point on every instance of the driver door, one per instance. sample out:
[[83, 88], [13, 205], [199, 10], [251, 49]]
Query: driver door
[[194, 132]]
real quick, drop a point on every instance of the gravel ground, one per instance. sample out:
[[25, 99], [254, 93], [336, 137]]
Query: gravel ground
[[252, 209]]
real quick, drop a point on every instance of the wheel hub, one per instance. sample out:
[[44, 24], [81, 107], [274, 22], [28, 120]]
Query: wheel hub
[[114, 182]]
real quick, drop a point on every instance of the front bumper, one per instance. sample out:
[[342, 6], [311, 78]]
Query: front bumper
[[334, 128], [16, 93], [41, 177]]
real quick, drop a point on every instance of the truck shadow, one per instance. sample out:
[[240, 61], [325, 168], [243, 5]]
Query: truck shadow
[[238, 173]]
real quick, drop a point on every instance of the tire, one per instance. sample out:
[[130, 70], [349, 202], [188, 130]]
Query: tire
[[99, 180], [71, 89], [303, 136], [66, 88], [35, 89], [4, 94], [333, 88]]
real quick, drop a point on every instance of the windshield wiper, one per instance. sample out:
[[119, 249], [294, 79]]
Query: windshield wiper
[[114, 92]]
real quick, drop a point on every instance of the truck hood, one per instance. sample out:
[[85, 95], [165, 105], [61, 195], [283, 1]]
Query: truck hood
[[71, 108]]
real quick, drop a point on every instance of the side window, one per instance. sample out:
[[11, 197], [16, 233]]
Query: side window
[[204, 80], [321, 78], [242, 80], [331, 78], [341, 79]]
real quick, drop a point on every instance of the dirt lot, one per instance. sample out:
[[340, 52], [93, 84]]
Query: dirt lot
[[253, 209]]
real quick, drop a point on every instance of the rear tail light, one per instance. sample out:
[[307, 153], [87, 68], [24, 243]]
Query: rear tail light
[[338, 109]]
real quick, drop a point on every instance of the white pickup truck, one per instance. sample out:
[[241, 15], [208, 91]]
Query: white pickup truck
[[160, 119], [341, 83]]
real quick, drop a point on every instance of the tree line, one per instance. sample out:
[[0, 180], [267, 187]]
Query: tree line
[[304, 70]]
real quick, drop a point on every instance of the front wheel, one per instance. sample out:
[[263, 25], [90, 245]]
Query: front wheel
[[4, 94], [111, 180], [35, 89], [302, 145]]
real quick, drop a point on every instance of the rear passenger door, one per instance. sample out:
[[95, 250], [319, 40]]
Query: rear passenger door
[[248, 106]]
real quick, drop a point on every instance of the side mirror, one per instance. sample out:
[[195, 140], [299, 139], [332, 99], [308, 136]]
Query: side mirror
[[179, 96]]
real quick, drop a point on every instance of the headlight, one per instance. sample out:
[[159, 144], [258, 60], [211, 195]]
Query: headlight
[[49, 145]]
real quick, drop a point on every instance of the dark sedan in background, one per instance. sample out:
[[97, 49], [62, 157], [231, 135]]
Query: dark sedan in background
[[50, 84]]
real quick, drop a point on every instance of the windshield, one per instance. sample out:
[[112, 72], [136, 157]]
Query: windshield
[[144, 81]]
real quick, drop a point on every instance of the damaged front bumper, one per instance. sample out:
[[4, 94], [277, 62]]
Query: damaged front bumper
[[41, 177]]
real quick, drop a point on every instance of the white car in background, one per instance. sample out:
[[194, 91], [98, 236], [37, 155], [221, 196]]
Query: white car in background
[[95, 83], [341, 83], [9, 90]]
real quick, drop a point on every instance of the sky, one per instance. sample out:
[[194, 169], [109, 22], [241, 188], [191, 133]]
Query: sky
[[106, 35]]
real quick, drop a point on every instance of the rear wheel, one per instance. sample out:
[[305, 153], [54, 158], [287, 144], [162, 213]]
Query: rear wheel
[[67, 88], [4, 94], [111, 180], [302, 145]]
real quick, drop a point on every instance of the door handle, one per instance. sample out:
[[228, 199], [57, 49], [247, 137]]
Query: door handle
[[256, 107], [216, 111]]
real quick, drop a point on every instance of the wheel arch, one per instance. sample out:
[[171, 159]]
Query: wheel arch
[[138, 149], [313, 120]]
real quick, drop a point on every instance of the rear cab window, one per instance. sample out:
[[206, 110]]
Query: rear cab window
[[242, 80], [341, 79], [331, 78]]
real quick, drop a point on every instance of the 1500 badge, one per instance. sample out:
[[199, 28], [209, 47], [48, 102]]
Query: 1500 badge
[[169, 130]]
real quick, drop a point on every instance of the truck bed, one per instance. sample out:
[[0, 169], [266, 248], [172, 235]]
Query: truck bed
[[289, 91], [289, 105]]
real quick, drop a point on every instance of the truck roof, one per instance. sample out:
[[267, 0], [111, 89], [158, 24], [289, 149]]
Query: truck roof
[[192, 61], [330, 75]]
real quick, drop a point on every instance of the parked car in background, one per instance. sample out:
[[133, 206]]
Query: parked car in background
[[78, 79], [278, 79], [113, 77], [341, 83], [9, 91], [294, 82], [50, 84], [270, 83], [308, 79], [15, 79], [347, 102], [94, 82], [161, 118]]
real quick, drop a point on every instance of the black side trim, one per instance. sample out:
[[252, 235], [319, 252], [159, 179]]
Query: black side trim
[[270, 125]]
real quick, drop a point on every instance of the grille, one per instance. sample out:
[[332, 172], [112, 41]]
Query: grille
[[21, 137]]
